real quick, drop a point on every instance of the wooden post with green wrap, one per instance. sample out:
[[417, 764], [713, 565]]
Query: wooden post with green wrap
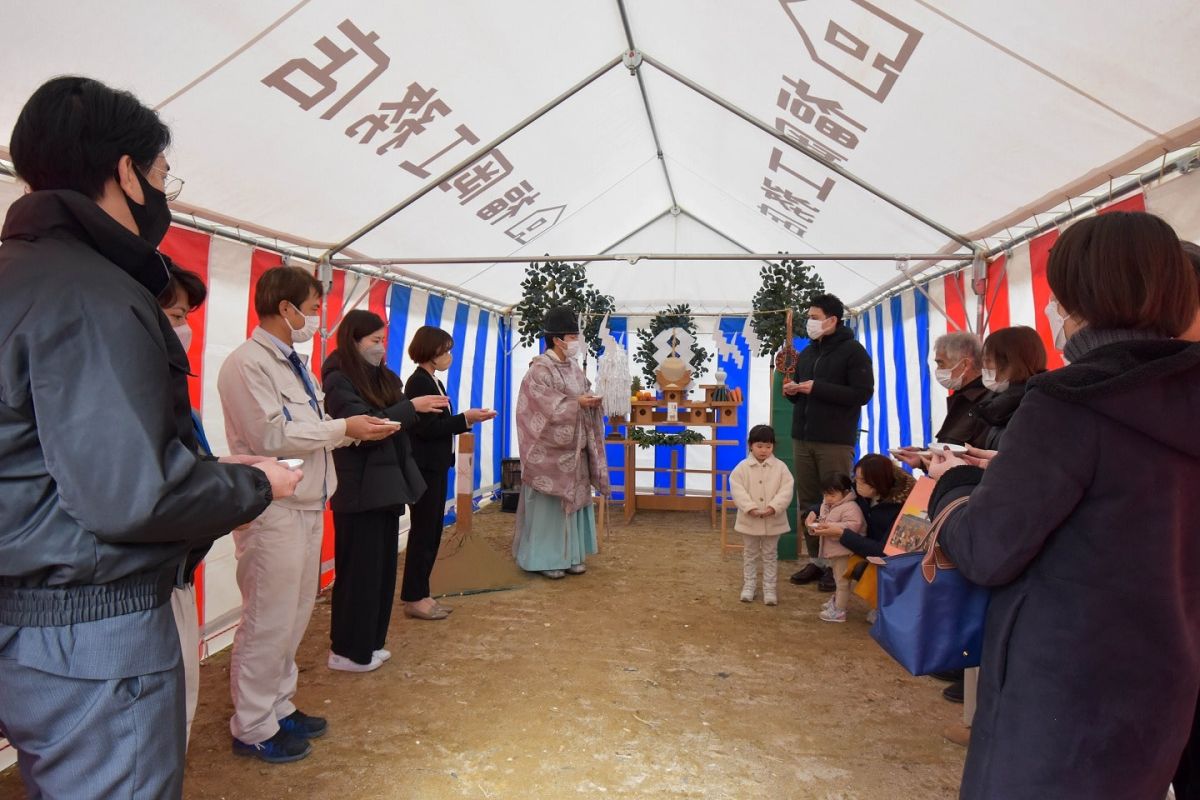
[[781, 421]]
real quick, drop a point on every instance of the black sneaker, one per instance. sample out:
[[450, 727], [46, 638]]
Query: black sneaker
[[279, 749], [809, 573], [302, 726], [954, 692], [949, 676]]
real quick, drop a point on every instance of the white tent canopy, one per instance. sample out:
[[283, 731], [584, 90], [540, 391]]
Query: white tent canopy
[[305, 121]]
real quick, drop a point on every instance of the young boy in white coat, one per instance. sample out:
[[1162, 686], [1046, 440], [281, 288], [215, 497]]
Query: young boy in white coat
[[762, 488]]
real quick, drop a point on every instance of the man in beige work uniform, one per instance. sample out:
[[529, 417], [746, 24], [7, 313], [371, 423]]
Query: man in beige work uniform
[[273, 407]]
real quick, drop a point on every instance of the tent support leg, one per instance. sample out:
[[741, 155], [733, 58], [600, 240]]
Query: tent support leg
[[941, 309]]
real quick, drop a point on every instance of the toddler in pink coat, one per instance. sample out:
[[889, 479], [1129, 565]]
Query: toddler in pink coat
[[839, 509]]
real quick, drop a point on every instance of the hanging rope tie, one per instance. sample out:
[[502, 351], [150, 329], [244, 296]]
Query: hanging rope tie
[[787, 357]]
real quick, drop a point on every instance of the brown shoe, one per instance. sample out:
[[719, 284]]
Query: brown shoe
[[957, 734]]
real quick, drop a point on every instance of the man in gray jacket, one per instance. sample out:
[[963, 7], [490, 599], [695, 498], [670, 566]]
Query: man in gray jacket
[[102, 493]]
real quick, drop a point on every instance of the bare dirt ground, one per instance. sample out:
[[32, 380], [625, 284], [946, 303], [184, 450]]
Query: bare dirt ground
[[644, 678]]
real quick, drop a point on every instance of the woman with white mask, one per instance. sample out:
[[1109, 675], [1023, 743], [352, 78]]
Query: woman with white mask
[[184, 294], [560, 430], [433, 436], [1011, 356], [376, 480], [1084, 527]]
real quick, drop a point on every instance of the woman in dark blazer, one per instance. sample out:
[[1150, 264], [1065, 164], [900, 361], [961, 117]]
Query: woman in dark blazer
[[375, 481], [431, 350]]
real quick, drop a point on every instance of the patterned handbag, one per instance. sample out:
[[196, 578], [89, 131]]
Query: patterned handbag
[[930, 618]]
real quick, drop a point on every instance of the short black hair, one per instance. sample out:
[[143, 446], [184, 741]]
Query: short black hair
[[191, 283], [73, 131], [836, 482], [761, 433], [279, 284], [830, 304]]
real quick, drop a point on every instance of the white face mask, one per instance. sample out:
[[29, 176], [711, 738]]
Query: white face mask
[[990, 382], [374, 353], [815, 328], [184, 332], [946, 378], [573, 348], [1058, 322], [311, 326]]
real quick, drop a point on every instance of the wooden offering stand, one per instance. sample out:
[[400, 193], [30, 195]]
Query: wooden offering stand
[[672, 408]]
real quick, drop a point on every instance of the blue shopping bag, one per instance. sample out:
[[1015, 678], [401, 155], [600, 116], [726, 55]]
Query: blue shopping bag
[[930, 617]]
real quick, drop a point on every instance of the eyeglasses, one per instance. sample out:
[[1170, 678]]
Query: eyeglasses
[[172, 186]]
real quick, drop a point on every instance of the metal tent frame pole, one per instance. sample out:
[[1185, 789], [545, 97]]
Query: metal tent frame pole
[[469, 160], [633, 258], [1184, 165], [632, 60], [799, 148]]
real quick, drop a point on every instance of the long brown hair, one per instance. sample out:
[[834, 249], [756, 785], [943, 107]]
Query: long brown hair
[[379, 386]]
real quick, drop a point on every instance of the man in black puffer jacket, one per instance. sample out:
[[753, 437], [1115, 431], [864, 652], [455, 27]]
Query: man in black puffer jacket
[[833, 380], [102, 493]]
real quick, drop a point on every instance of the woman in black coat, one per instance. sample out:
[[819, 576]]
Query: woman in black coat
[[1084, 524], [375, 481], [431, 349], [1011, 356]]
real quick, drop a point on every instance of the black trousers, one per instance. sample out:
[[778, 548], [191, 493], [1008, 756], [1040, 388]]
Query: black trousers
[[365, 545], [426, 519]]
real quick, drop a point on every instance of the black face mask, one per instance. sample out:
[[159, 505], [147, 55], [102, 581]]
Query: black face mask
[[154, 217]]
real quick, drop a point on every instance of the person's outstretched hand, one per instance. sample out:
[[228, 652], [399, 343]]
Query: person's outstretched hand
[[283, 480], [978, 457]]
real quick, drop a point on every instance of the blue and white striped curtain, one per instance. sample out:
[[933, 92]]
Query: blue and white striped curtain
[[896, 334], [478, 378]]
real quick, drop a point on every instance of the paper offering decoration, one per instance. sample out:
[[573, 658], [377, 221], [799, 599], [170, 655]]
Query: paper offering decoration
[[913, 524], [749, 336], [612, 374], [727, 348]]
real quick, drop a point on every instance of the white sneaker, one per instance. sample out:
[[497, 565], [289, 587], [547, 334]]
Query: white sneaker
[[828, 604], [872, 615], [833, 615], [343, 664], [770, 599], [577, 569], [382, 655], [747, 594]]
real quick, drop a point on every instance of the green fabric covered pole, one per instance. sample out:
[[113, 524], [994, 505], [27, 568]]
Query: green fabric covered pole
[[781, 421]]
